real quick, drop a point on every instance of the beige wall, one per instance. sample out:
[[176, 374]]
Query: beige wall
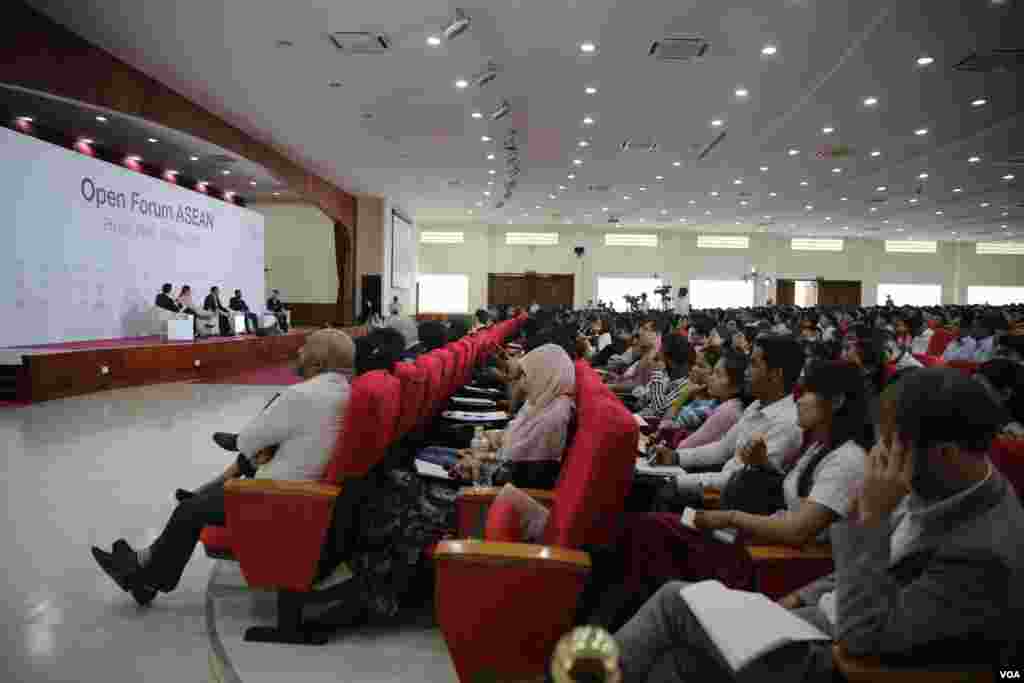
[[299, 251], [373, 252], [677, 260]]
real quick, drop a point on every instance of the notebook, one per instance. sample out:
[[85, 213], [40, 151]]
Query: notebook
[[479, 402], [723, 535], [482, 390], [644, 467], [743, 625], [429, 469], [463, 416]]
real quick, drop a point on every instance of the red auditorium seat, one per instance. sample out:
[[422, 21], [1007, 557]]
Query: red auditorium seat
[[524, 595], [277, 530], [413, 379], [939, 341], [432, 366], [968, 367]]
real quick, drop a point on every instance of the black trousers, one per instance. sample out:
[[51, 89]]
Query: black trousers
[[282, 320], [175, 545]]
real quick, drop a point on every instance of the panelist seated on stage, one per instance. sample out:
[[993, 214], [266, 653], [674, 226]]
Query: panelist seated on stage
[[164, 300], [276, 306], [212, 303], [290, 440], [237, 303]]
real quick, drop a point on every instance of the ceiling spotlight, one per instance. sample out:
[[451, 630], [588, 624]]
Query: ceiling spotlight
[[714, 193], [837, 170], [808, 206], [744, 202], [716, 122], [938, 213], [487, 193], [551, 196], [590, 90], [793, 152], [643, 188], [973, 160], [501, 111], [708, 212], [492, 171], [692, 202], [828, 130], [984, 205], [485, 138], [773, 194], [912, 200], [538, 207], [677, 163], [846, 227], [477, 115], [490, 157], [1004, 214], [843, 199], [571, 176], [101, 119], [958, 189], [641, 220], [876, 153], [881, 188], [605, 209], [742, 92], [764, 169], [921, 131], [193, 158], [769, 50], [588, 121], [433, 41], [659, 177], [664, 212], [588, 47], [870, 101], [490, 182], [804, 183], [461, 84], [874, 209], [738, 181], [1009, 176], [627, 197], [828, 218], [980, 102], [577, 162], [456, 26], [583, 143], [924, 60], [562, 187]]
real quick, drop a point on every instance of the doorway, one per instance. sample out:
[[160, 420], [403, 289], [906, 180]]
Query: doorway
[[523, 289]]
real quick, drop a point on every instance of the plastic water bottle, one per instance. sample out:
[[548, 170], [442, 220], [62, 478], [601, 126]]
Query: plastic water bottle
[[478, 445], [587, 654]]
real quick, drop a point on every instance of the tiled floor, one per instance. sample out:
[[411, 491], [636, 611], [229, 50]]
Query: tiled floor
[[84, 471]]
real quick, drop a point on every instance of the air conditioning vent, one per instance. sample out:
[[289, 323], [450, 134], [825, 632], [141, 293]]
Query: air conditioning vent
[[679, 48], [1003, 60], [617, 239], [631, 145], [599, 188], [1007, 248], [361, 42], [878, 200]]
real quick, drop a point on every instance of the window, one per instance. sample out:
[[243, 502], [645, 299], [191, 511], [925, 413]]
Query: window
[[910, 295], [815, 245], [617, 239], [531, 239], [995, 296], [1015, 248], [721, 293], [428, 237], [614, 289], [722, 242], [444, 293], [909, 247]]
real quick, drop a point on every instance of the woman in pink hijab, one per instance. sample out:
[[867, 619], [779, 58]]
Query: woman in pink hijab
[[529, 451]]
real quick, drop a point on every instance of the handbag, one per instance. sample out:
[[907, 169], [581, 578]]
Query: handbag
[[755, 489]]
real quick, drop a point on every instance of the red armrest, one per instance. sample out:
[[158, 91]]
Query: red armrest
[[780, 570], [503, 606], [472, 504], [278, 529]]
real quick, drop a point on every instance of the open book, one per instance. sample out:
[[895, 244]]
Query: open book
[[743, 625], [723, 535]]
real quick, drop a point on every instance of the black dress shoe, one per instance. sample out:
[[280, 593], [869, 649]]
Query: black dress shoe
[[123, 567], [181, 495], [226, 440]]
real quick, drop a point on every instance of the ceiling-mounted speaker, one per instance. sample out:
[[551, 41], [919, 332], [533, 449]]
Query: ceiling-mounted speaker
[[579, 251]]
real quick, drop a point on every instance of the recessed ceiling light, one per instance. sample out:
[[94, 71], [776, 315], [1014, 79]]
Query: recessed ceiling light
[[922, 176], [588, 47], [552, 196], [433, 41], [837, 170], [924, 60], [461, 83], [973, 160], [577, 162], [899, 229], [769, 50], [881, 188], [708, 212], [477, 115], [921, 131], [101, 119], [193, 158], [225, 172], [714, 193], [764, 169], [938, 213], [808, 206], [739, 223], [954, 232], [846, 227], [562, 187], [1004, 214], [773, 194], [874, 209], [738, 181], [659, 177], [537, 207], [828, 218], [870, 101], [643, 188], [485, 138], [277, 194], [1004, 226], [490, 182], [742, 92], [627, 197], [605, 209], [487, 193], [843, 199], [590, 90], [828, 130], [640, 220], [571, 176], [958, 189], [980, 102], [912, 200], [744, 202], [804, 183], [492, 171], [677, 163], [682, 220], [490, 157], [664, 212], [885, 222], [588, 121], [793, 152], [716, 122], [583, 143], [692, 202], [1009, 176], [984, 205]]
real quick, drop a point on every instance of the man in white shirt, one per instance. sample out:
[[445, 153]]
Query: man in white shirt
[[767, 434], [683, 302], [291, 439]]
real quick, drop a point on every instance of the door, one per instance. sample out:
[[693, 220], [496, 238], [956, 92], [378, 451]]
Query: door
[[785, 291], [523, 289], [840, 293]]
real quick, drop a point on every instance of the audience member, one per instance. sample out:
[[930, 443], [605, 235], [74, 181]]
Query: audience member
[[276, 306], [432, 335], [213, 304], [237, 303], [410, 333], [1004, 381], [706, 420], [164, 300], [668, 376]]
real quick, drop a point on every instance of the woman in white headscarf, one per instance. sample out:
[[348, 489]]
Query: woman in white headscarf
[[410, 332], [529, 451]]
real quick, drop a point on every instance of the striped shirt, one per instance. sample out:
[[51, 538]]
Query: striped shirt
[[660, 392]]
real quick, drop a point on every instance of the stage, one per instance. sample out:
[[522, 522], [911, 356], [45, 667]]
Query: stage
[[40, 373]]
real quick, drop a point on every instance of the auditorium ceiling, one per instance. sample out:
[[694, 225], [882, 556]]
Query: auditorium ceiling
[[831, 118]]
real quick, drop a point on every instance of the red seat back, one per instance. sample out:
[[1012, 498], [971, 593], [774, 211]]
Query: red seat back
[[368, 427], [434, 367], [1008, 457], [598, 471], [939, 341], [448, 382], [413, 381], [968, 367]]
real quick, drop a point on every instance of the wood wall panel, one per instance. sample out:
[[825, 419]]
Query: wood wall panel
[[37, 53]]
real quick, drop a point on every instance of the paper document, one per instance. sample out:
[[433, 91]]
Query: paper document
[[744, 625], [723, 535], [643, 467], [429, 469], [463, 416]]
